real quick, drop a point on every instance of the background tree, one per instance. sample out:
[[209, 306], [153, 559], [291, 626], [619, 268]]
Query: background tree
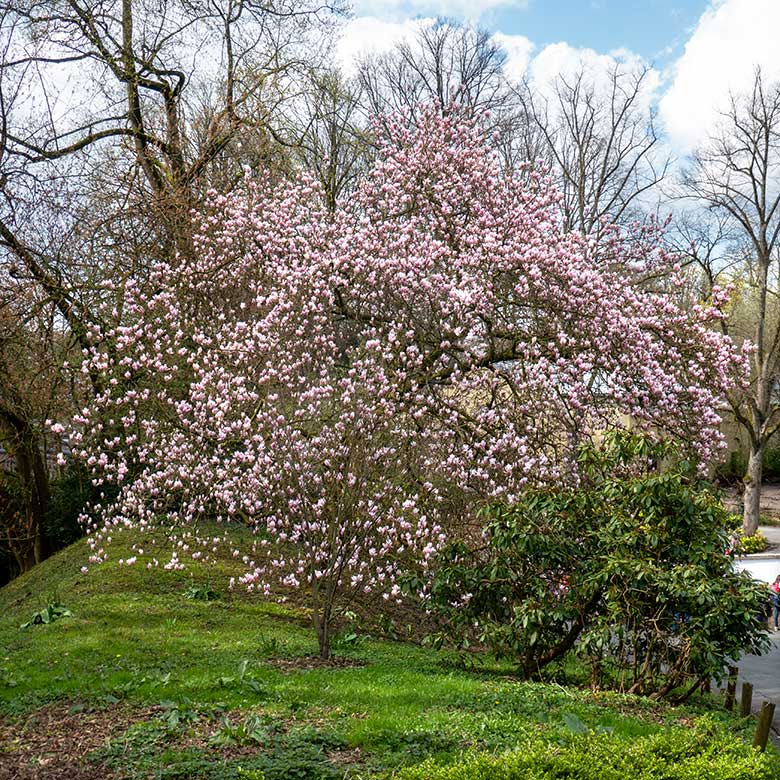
[[329, 134], [444, 62], [453, 65], [596, 132], [112, 128], [31, 348], [735, 174]]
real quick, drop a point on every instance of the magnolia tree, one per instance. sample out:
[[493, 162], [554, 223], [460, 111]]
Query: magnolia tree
[[334, 380]]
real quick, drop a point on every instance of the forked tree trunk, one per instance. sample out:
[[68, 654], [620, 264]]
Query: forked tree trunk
[[752, 494], [321, 618]]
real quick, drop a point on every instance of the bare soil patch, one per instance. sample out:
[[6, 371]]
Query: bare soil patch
[[53, 742]]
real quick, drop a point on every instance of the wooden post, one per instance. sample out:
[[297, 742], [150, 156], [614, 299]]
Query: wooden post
[[764, 724], [731, 688], [747, 699]]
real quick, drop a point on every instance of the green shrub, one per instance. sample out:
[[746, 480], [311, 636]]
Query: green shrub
[[60, 527], [748, 545], [628, 569], [697, 754], [69, 492]]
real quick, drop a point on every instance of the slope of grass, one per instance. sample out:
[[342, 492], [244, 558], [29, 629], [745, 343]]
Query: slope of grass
[[175, 687]]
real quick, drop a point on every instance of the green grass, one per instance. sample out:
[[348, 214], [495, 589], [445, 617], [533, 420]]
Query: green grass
[[136, 643]]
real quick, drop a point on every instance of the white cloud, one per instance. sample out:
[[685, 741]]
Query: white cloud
[[731, 38], [370, 35], [518, 53], [561, 59], [565, 60]]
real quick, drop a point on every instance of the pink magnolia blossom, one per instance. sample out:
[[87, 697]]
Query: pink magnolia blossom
[[342, 381]]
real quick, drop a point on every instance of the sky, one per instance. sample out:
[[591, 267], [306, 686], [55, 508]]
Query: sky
[[699, 50]]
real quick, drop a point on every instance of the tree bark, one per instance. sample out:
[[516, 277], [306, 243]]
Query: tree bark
[[752, 494], [321, 617], [323, 638], [21, 442]]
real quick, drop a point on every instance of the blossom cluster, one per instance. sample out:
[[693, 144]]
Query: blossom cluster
[[340, 380]]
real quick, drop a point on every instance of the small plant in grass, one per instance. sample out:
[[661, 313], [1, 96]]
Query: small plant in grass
[[197, 592], [350, 637], [243, 679], [253, 729], [346, 641], [270, 646], [54, 610], [178, 714]]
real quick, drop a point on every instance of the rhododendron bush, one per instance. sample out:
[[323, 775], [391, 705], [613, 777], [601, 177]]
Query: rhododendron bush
[[339, 380]]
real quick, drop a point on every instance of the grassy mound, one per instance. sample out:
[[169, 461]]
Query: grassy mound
[[169, 675]]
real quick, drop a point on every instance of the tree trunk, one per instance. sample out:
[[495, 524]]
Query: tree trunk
[[752, 494], [323, 638], [21, 441], [321, 615]]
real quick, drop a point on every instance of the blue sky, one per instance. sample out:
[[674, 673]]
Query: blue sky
[[655, 29], [699, 51]]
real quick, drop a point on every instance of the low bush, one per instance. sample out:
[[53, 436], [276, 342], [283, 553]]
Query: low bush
[[749, 545], [739, 542], [703, 753]]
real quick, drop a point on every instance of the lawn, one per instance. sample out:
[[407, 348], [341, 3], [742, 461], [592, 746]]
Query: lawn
[[147, 679]]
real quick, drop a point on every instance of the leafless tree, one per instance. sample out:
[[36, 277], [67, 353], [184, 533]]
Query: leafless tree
[[600, 142], [145, 66], [736, 174], [450, 64], [328, 134], [444, 62]]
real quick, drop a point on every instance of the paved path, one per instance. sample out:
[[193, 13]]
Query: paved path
[[770, 499], [764, 671], [772, 533]]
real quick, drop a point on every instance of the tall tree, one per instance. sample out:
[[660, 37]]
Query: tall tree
[[452, 65], [443, 62], [329, 135], [31, 350], [115, 120], [736, 174]]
